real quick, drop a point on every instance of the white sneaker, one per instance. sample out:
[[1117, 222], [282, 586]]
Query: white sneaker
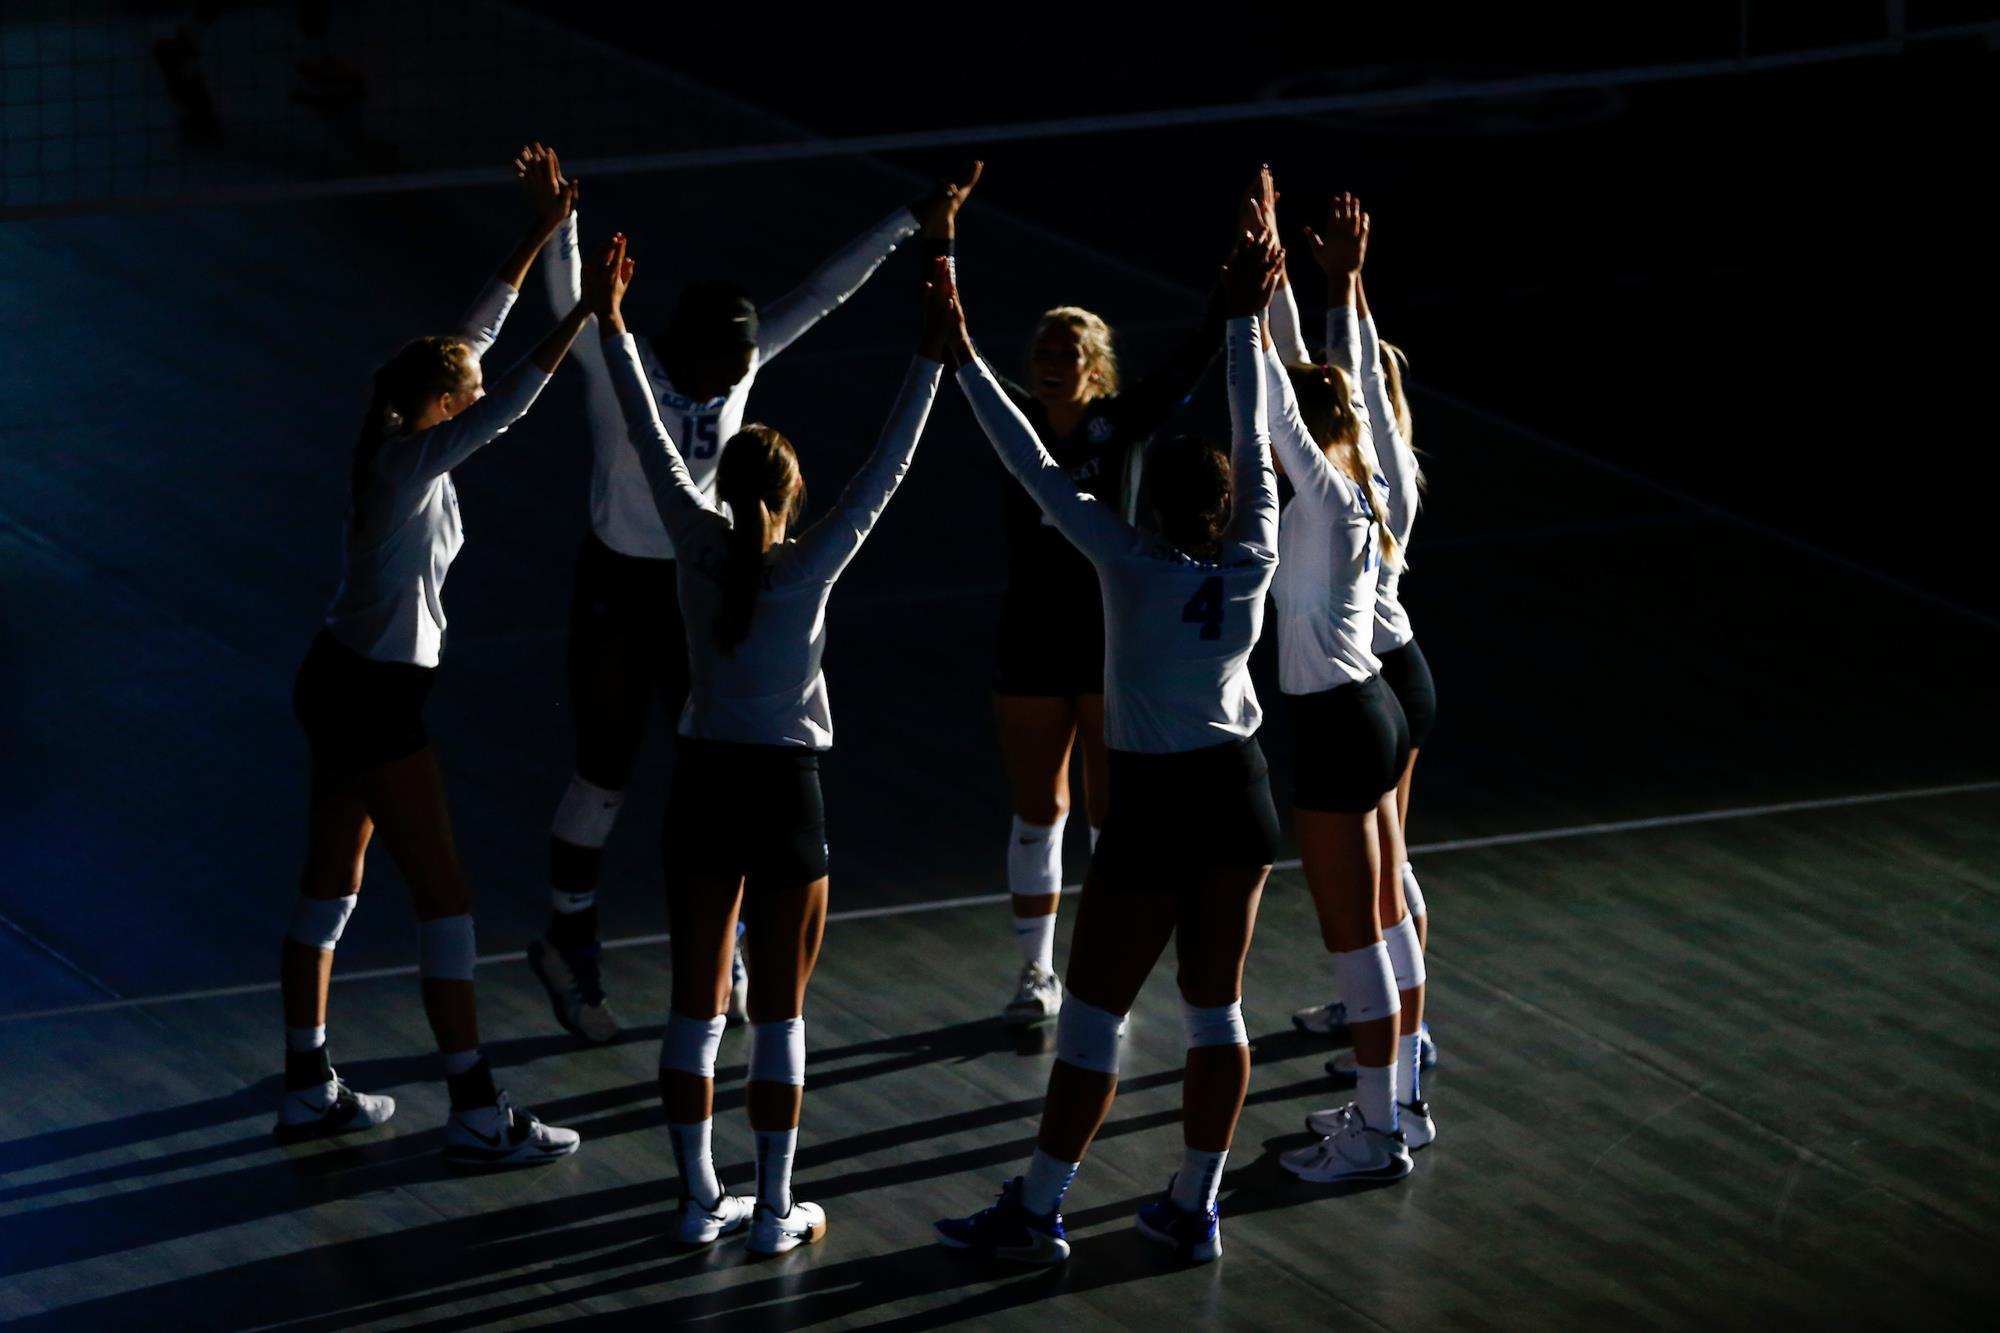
[[739, 985], [330, 1108], [771, 1234], [1352, 1152], [1038, 996], [1322, 1020], [575, 990], [701, 1225], [1413, 1118], [498, 1135]]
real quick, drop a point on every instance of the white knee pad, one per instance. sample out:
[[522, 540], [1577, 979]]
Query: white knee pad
[[1215, 1027], [778, 1051], [586, 813], [1412, 895], [689, 1044], [1367, 983], [1034, 857], [1087, 1036], [318, 922], [447, 951], [1406, 955]]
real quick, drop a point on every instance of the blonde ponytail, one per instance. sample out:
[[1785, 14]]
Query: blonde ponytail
[[758, 478]]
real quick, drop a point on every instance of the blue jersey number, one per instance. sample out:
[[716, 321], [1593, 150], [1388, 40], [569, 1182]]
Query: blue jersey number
[[698, 436], [1205, 608]]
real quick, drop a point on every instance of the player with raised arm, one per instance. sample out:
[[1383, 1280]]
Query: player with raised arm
[[745, 829], [627, 638], [360, 695], [1405, 670], [1048, 681], [1349, 733], [1191, 832]]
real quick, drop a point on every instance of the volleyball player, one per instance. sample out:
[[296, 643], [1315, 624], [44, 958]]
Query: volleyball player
[[1349, 736], [1352, 344], [745, 828], [1191, 831], [360, 696], [627, 638], [1048, 683]]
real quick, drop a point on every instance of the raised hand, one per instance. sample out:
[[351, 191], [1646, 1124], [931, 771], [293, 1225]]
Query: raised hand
[[1250, 278], [938, 210], [550, 195], [944, 337], [1258, 212], [1343, 247], [604, 284]]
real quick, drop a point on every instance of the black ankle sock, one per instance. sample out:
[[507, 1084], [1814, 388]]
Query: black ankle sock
[[307, 1069], [472, 1089], [574, 930]]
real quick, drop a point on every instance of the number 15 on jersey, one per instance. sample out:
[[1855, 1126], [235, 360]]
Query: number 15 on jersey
[[698, 436]]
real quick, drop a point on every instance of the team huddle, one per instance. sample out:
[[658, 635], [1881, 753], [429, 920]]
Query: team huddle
[[1139, 566]]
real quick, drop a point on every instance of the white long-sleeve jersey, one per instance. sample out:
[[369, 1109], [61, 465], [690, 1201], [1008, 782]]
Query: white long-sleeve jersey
[[770, 689], [1329, 557], [1352, 345], [622, 513], [1398, 462], [1177, 631], [400, 543]]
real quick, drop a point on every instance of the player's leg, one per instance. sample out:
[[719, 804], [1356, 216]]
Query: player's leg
[[1036, 733], [406, 800]]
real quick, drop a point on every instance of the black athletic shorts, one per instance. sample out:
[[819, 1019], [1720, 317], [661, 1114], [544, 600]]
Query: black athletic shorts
[[1408, 675], [1201, 809], [749, 810], [359, 713], [626, 609], [1051, 642], [1348, 746]]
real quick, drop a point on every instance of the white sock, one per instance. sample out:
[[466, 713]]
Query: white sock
[[1375, 1094], [305, 1039], [1045, 1182], [1094, 831], [1406, 1056], [775, 1148], [457, 1062], [696, 1162], [1199, 1182], [1037, 937], [568, 904]]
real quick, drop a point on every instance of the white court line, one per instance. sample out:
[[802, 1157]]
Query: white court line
[[1029, 130], [991, 899]]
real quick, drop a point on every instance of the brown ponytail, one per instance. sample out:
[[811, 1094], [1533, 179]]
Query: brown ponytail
[[758, 478], [1187, 486], [1326, 403], [420, 372]]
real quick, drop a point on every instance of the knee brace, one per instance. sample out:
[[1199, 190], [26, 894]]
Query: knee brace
[[778, 1051], [1034, 857], [1087, 1036], [1367, 983], [447, 951], [1406, 956], [689, 1044], [1215, 1027], [586, 813], [318, 922], [1412, 895]]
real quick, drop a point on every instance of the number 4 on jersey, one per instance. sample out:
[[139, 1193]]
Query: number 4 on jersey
[[1205, 608]]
